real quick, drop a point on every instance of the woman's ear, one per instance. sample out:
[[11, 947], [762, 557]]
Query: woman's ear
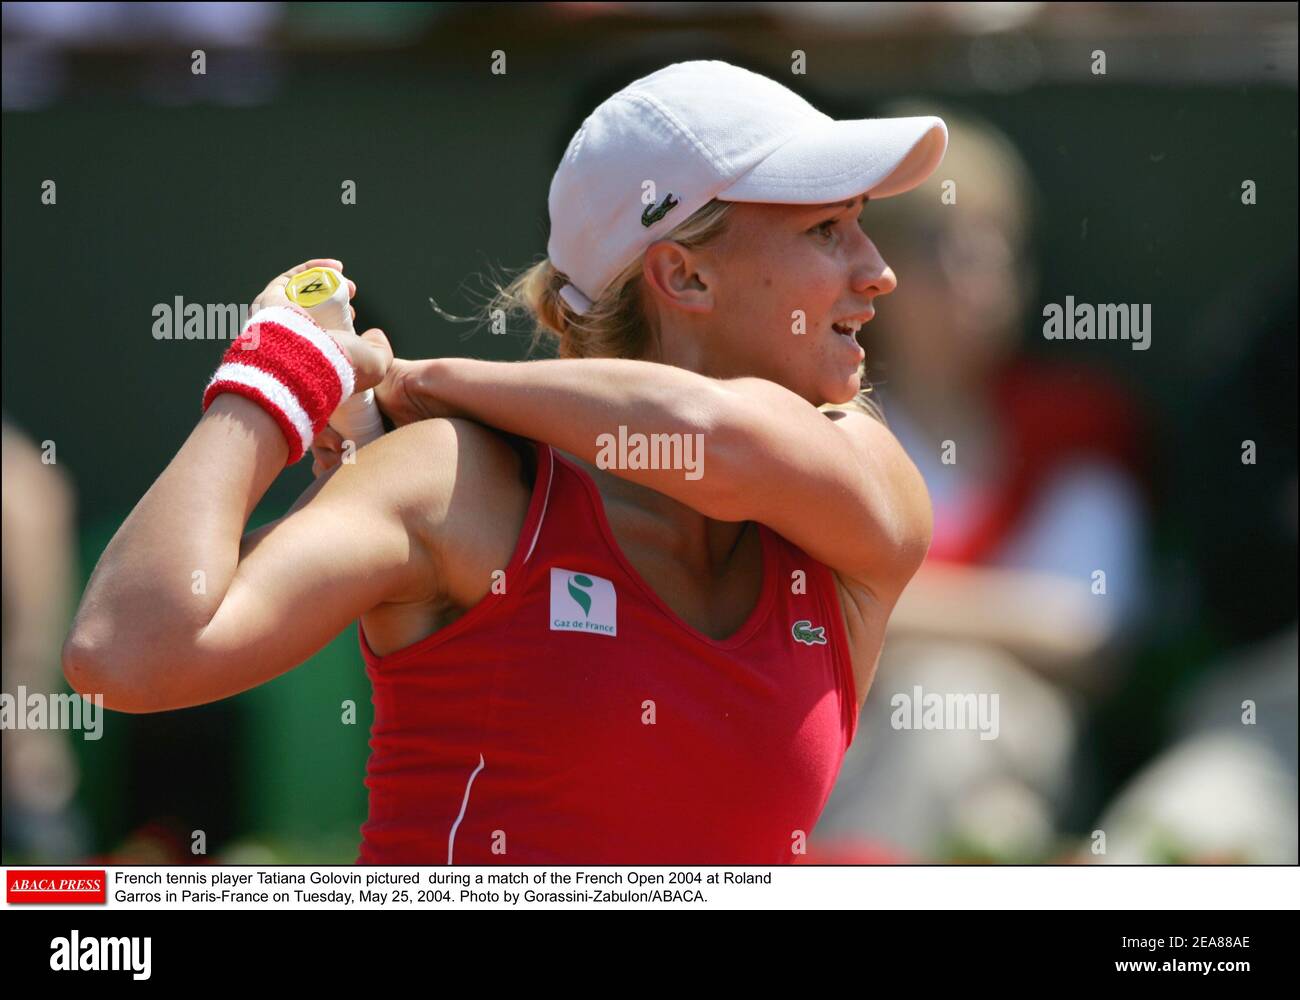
[[677, 277]]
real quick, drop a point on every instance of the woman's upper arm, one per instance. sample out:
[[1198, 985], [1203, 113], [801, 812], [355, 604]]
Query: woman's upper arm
[[837, 484], [355, 543]]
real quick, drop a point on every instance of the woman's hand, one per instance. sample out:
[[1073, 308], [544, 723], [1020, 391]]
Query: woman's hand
[[274, 294], [326, 451], [394, 394], [369, 353], [408, 392], [404, 397]]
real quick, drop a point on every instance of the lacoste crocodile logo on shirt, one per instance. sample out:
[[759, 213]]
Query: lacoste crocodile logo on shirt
[[809, 636]]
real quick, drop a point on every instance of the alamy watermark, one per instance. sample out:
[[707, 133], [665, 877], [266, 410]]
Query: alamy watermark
[[651, 451], [75, 953], [34, 710], [181, 320], [931, 710], [1084, 321]]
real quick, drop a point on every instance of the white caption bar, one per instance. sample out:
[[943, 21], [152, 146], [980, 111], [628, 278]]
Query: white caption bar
[[1083, 887]]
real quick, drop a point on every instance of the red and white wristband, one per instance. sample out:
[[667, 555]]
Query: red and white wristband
[[287, 364]]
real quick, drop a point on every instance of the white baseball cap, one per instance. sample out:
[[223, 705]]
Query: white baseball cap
[[702, 130]]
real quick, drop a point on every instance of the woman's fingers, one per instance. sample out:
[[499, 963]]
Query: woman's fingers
[[274, 293], [283, 280], [370, 354], [328, 439], [326, 451]]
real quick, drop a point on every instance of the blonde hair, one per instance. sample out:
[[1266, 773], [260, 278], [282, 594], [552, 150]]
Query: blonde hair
[[616, 325]]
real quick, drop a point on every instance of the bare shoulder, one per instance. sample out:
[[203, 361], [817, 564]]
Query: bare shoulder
[[420, 466], [462, 490]]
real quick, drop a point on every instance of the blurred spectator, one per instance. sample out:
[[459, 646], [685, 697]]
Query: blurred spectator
[[41, 821], [1031, 466], [1032, 470]]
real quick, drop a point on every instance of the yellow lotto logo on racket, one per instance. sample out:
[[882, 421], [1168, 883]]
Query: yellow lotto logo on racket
[[312, 287]]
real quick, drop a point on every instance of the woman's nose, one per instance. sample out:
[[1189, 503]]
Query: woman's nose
[[874, 276], [871, 273]]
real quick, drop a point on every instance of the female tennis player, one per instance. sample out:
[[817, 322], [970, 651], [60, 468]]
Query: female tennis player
[[621, 606]]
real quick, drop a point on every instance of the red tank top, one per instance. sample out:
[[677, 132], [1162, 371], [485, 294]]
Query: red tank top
[[575, 719]]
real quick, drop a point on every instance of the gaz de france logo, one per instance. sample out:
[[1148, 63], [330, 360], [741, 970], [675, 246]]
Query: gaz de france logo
[[582, 602]]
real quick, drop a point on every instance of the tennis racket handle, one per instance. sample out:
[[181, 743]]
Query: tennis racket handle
[[323, 293], [357, 419]]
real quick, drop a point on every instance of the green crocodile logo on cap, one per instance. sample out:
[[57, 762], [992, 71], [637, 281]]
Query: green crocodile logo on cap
[[651, 215]]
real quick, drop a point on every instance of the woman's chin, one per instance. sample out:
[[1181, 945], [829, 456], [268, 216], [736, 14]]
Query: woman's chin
[[844, 391]]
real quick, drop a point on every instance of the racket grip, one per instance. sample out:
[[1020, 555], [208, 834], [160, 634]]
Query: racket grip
[[357, 419], [323, 292]]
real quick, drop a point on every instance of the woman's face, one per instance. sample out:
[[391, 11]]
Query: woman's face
[[787, 288]]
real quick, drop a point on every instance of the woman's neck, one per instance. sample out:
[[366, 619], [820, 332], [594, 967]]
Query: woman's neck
[[704, 544]]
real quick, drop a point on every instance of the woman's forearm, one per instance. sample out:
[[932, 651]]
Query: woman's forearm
[[602, 410], [733, 450], [164, 574]]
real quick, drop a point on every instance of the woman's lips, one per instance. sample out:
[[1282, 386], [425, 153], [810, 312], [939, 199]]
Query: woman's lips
[[852, 346]]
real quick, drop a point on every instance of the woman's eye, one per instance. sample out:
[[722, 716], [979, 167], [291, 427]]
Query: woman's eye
[[824, 229]]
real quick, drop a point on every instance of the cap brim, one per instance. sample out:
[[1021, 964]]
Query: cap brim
[[838, 160]]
